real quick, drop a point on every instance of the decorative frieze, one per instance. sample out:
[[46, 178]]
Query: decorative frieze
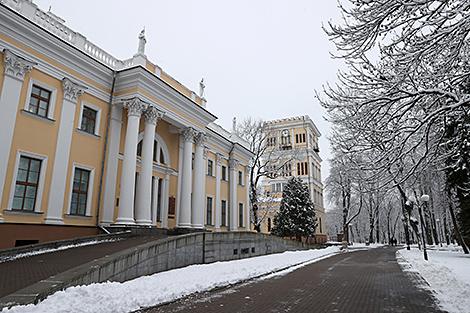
[[152, 115], [72, 90], [16, 66], [134, 106]]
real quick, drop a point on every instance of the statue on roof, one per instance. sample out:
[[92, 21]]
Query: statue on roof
[[142, 42], [201, 88]]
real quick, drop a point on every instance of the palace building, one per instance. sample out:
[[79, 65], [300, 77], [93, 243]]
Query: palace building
[[293, 152], [89, 141]]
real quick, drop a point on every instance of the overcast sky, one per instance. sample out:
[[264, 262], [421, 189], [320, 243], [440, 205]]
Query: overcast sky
[[259, 58]]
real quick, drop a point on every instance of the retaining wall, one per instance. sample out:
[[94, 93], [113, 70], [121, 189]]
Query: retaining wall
[[157, 256]]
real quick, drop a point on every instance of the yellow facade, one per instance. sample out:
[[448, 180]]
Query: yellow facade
[[79, 81]]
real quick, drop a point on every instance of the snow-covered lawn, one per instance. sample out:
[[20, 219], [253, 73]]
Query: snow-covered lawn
[[48, 250], [170, 285], [447, 272]]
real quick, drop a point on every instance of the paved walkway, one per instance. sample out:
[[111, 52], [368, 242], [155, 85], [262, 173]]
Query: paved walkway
[[20, 273], [357, 282]]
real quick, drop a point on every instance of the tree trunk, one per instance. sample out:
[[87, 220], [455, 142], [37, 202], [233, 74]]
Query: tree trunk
[[457, 233]]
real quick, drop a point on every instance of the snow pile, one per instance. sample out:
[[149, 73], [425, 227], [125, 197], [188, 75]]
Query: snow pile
[[166, 286], [48, 250], [447, 273]]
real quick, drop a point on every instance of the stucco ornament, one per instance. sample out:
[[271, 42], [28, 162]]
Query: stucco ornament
[[188, 134], [200, 138], [218, 158], [152, 115], [16, 66], [134, 107], [233, 164], [72, 90]]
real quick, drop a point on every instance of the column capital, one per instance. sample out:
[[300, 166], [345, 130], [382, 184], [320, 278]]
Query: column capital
[[16, 66], [72, 90], [188, 134], [218, 158], [134, 106], [233, 164], [200, 138], [152, 115]]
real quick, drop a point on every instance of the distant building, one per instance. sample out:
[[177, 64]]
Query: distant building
[[89, 140], [293, 152]]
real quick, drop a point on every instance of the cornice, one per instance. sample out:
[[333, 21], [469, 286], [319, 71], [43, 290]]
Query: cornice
[[154, 86]]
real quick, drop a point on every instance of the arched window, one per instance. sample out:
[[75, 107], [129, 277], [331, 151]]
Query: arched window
[[159, 151]]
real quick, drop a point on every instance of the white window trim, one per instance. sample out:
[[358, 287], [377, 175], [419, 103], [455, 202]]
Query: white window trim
[[52, 100], [42, 177], [89, 191], [98, 116]]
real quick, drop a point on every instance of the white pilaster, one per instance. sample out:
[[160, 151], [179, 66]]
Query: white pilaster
[[112, 165], [218, 176], [15, 71], [233, 166], [55, 207], [197, 203], [144, 191], [184, 213], [135, 107], [165, 195], [248, 204]]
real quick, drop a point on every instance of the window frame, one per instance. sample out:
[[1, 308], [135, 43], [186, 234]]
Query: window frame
[[223, 174], [223, 213], [211, 167], [209, 217], [241, 215], [40, 188], [52, 98], [89, 191], [97, 120]]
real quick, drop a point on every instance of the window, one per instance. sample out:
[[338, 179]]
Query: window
[[223, 209], [156, 147], [210, 167], [89, 120], [81, 179], [224, 172], [271, 141], [269, 224], [240, 215], [302, 168], [39, 101], [209, 211], [27, 182], [240, 178], [300, 138]]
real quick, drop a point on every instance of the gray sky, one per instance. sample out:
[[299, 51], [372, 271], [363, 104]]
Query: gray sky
[[259, 58]]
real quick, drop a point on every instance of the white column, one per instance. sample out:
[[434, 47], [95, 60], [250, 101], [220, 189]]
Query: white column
[[218, 176], [109, 202], [184, 214], [165, 195], [61, 161], [233, 166], [135, 107], [198, 200], [143, 214], [154, 211], [15, 70], [248, 204]]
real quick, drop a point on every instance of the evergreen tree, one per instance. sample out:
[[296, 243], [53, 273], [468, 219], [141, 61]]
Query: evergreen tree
[[296, 216]]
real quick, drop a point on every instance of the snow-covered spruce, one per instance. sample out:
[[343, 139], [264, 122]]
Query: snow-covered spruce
[[296, 216]]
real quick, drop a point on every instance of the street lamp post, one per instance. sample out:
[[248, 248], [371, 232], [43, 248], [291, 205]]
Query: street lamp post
[[439, 232], [425, 199]]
